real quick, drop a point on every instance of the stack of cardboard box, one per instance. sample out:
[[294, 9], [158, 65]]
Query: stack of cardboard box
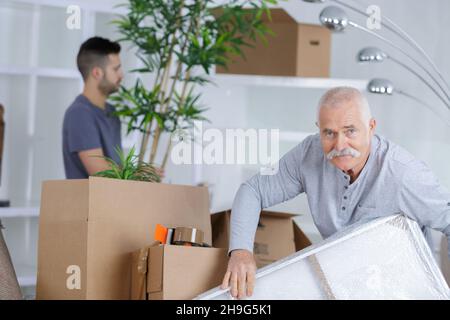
[[89, 228], [94, 238]]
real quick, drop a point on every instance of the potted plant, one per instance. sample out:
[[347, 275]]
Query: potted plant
[[179, 42], [129, 168]]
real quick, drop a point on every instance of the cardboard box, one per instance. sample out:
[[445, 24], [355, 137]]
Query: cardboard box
[[162, 272], [88, 229], [386, 258], [277, 235], [295, 49]]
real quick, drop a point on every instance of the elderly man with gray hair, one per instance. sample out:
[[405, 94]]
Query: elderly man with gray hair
[[348, 173]]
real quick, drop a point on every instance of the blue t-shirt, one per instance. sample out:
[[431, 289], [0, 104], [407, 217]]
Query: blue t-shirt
[[88, 127]]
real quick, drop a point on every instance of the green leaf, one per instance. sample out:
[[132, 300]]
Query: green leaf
[[129, 168]]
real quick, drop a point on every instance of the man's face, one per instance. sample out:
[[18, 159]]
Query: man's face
[[112, 75], [345, 136]]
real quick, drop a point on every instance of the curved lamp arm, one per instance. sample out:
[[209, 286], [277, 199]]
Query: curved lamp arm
[[394, 28], [423, 80], [335, 18], [442, 117], [374, 54], [384, 86], [355, 25]]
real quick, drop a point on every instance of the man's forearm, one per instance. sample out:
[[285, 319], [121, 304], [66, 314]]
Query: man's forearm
[[244, 218], [263, 191], [93, 161]]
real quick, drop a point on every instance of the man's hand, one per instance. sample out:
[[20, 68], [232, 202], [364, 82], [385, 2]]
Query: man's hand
[[240, 274]]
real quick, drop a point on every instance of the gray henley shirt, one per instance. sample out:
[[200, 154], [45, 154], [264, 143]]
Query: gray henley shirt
[[392, 181]]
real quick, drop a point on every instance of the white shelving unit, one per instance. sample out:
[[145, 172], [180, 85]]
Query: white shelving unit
[[287, 82], [40, 72], [38, 81], [16, 212], [42, 61]]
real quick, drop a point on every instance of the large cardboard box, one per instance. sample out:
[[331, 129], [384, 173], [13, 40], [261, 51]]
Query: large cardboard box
[[89, 228], [162, 272], [277, 235], [386, 258], [295, 49]]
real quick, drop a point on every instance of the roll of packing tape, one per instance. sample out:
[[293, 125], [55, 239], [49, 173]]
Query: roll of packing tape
[[183, 235]]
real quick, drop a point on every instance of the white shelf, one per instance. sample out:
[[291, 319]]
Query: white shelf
[[97, 5], [41, 72], [16, 212], [293, 82]]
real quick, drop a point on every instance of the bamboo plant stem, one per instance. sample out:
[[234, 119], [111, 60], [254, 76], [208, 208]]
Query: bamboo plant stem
[[144, 142], [185, 83], [164, 84], [166, 155], [179, 65]]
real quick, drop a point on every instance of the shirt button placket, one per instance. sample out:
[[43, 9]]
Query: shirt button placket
[[344, 203]]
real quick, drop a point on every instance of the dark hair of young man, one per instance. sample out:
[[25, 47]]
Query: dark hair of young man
[[94, 53]]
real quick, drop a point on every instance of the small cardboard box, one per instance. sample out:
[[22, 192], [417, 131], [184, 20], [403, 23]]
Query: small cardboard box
[[295, 49], [88, 228], [277, 235], [171, 272]]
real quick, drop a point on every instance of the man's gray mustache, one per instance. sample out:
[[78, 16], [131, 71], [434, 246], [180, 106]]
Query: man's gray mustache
[[344, 152]]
